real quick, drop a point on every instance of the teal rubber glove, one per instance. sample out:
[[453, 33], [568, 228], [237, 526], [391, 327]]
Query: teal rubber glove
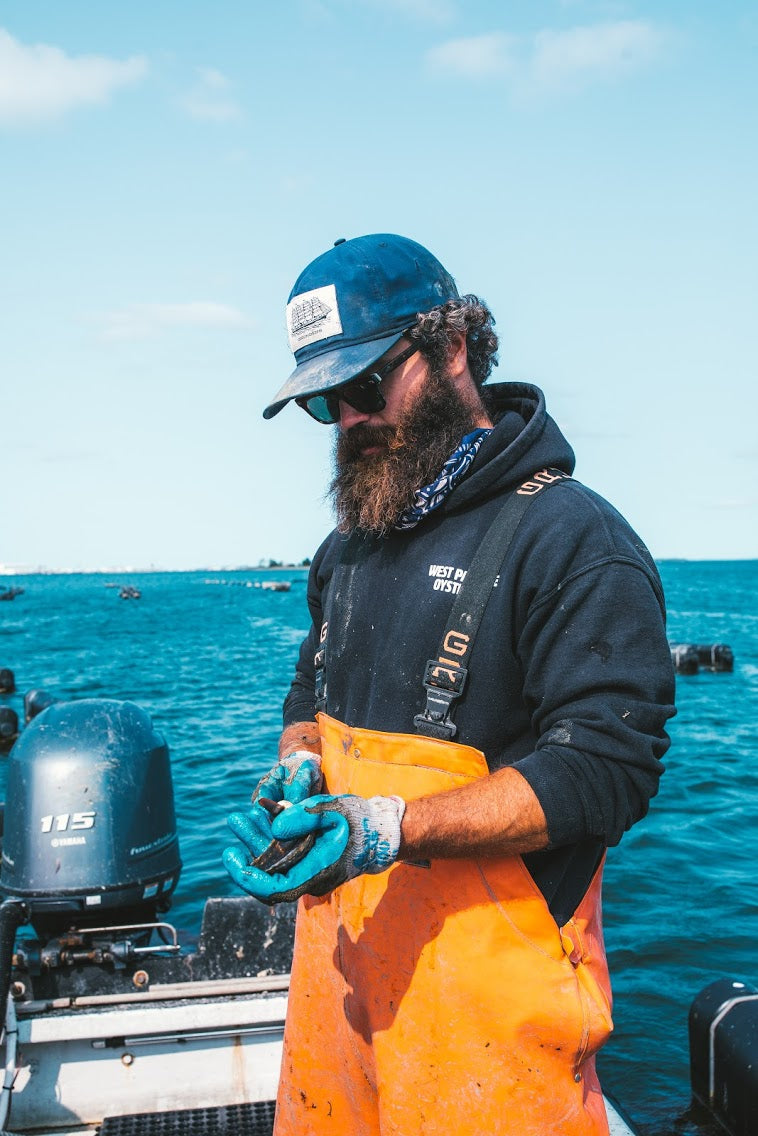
[[293, 778], [353, 836]]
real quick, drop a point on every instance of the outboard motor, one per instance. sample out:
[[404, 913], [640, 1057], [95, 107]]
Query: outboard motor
[[90, 830]]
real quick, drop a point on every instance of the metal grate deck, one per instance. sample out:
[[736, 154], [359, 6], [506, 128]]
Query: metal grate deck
[[256, 1119]]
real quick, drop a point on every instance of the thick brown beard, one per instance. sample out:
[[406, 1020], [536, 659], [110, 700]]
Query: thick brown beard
[[371, 491]]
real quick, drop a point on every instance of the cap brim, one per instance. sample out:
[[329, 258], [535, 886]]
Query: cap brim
[[330, 370]]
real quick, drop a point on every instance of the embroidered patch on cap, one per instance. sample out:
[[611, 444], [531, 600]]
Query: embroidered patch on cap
[[312, 316]]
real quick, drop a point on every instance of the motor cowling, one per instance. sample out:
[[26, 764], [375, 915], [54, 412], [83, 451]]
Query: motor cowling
[[90, 827]]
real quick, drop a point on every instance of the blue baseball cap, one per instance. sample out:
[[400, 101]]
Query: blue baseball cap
[[351, 304]]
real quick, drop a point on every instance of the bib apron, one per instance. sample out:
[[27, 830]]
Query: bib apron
[[433, 1000]]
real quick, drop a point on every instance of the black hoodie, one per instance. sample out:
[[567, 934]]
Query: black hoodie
[[570, 677]]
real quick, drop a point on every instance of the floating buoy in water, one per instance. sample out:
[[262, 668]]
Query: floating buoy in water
[[716, 657], [723, 1030], [685, 658], [7, 680], [35, 701], [688, 658], [8, 728]]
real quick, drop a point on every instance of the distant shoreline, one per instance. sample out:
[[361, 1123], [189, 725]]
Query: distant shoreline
[[6, 570], [11, 571]]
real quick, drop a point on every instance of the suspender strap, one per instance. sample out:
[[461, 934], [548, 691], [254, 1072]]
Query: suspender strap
[[319, 660], [445, 677]]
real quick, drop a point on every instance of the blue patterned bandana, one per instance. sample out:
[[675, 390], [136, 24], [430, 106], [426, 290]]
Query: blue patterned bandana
[[432, 495]]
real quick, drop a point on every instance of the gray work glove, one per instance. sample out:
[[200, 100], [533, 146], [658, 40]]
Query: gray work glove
[[293, 778]]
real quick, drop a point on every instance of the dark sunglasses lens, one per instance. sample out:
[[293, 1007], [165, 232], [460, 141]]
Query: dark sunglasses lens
[[321, 407], [364, 394]]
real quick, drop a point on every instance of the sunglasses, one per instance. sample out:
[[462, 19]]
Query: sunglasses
[[362, 393]]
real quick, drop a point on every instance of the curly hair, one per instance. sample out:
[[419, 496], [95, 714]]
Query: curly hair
[[468, 316]]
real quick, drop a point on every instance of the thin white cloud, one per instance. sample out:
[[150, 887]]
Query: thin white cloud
[[731, 503], [39, 82], [211, 99], [560, 57], [422, 11], [600, 9], [295, 184], [474, 57], [429, 11], [141, 321], [551, 59]]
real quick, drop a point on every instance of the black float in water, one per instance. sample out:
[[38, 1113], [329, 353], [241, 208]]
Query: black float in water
[[723, 1029], [8, 728], [7, 680], [688, 658], [715, 656], [35, 701], [685, 658]]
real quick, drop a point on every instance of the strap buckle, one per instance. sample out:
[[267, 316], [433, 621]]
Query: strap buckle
[[443, 685], [320, 681]]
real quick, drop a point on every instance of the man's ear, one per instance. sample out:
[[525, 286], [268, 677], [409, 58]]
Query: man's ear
[[457, 359], [460, 374]]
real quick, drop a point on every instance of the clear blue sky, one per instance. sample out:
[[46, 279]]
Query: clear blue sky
[[168, 168]]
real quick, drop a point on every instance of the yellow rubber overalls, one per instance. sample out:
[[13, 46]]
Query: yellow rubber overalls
[[441, 1000]]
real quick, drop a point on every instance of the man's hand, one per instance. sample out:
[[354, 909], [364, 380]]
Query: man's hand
[[293, 778], [354, 835]]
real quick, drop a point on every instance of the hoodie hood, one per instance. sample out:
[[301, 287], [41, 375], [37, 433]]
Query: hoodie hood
[[525, 439]]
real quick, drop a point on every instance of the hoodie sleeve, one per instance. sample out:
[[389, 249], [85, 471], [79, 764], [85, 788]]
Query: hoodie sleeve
[[300, 701], [598, 684]]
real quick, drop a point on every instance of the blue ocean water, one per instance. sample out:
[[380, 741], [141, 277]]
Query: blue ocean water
[[211, 659]]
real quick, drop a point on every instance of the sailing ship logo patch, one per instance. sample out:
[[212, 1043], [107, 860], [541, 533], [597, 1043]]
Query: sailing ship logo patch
[[313, 316]]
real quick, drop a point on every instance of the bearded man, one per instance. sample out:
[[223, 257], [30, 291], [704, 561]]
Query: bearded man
[[477, 713]]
